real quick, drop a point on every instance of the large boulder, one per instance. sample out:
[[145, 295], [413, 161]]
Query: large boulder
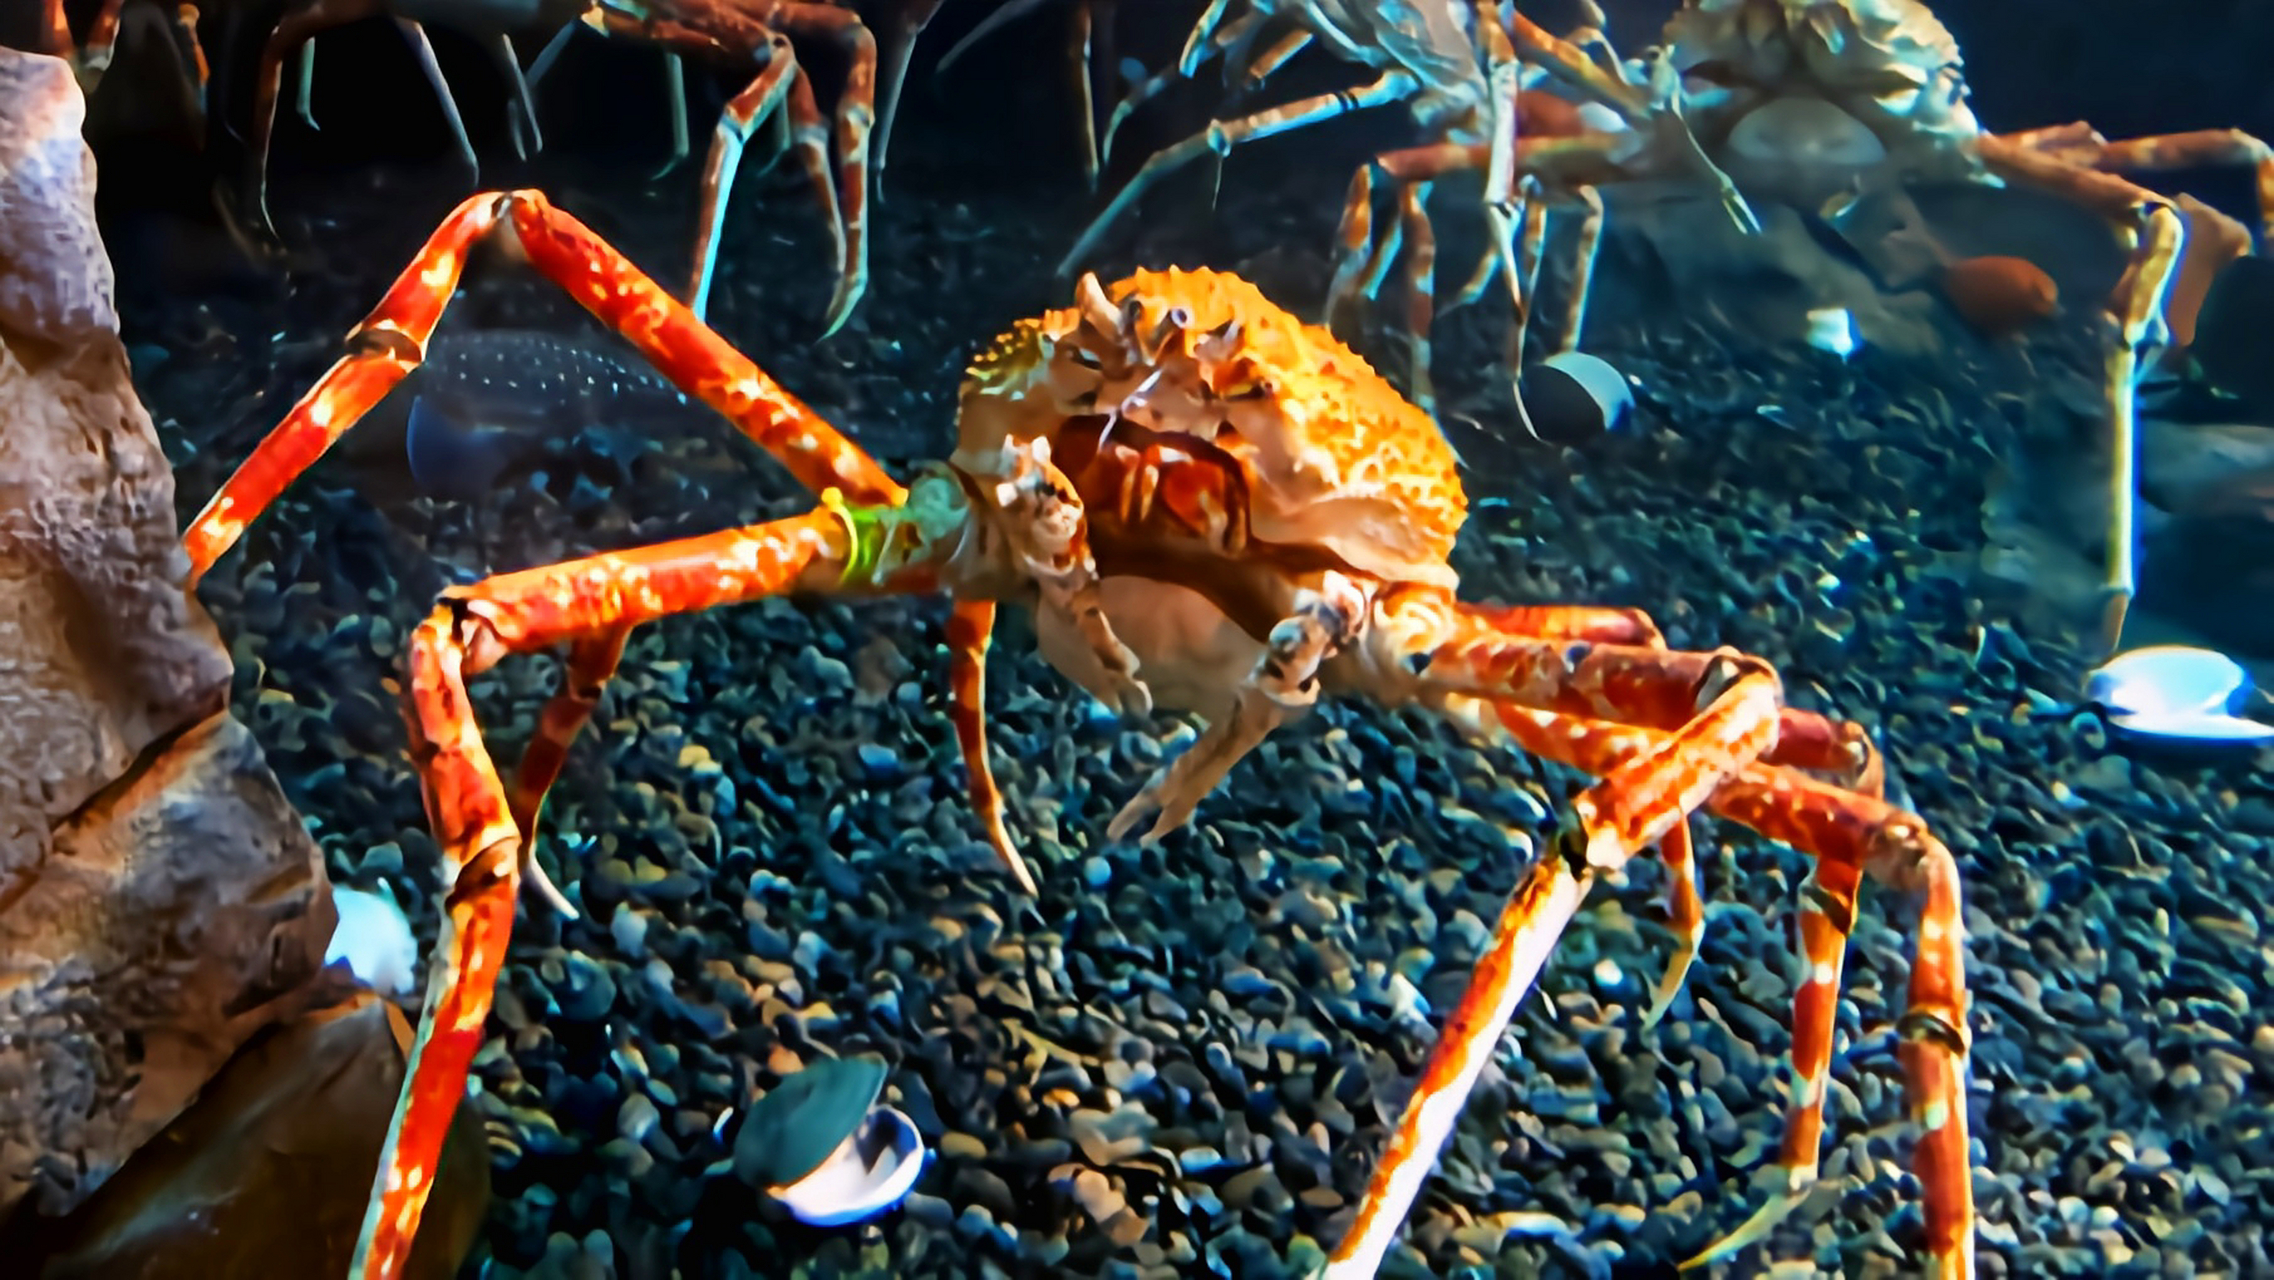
[[159, 899]]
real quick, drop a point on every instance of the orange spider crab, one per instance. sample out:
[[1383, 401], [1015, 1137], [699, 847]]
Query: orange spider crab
[[1209, 506]]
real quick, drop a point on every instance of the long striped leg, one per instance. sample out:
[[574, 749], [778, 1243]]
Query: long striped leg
[[1644, 794], [1685, 915], [391, 341], [675, 98], [1827, 917], [856, 114], [2155, 234], [1003, 15], [1582, 267], [1523, 286], [1895, 848], [1850, 834], [970, 630], [1739, 758], [1803, 741], [1353, 248], [758, 100], [1221, 136], [1835, 747], [1645, 109], [472, 817]]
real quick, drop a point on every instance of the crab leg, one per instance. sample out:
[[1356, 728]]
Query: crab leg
[[1685, 915], [294, 29], [55, 32], [1643, 795], [970, 631], [1827, 917], [757, 101], [1571, 64], [1362, 264], [1092, 42], [192, 53], [467, 804], [1421, 292], [429, 66], [391, 341], [102, 37], [2198, 149], [1582, 268], [2156, 234], [909, 20], [1230, 34], [1849, 834], [856, 112], [528, 138], [1805, 740], [592, 659], [1221, 136], [1557, 699]]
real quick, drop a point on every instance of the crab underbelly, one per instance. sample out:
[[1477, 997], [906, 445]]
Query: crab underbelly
[[1189, 653], [1803, 149]]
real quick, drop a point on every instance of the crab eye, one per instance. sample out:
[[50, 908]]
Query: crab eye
[[1180, 317]]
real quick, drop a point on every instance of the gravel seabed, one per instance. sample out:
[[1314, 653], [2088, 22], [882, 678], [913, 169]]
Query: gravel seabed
[[1182, 1060]]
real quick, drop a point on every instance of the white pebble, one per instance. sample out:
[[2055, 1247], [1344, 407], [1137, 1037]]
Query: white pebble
[[374, 940]]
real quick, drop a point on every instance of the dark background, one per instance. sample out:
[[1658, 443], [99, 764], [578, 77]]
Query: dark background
[[2128, 68]]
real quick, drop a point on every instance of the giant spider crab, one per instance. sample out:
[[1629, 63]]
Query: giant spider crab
[[1209, 506]]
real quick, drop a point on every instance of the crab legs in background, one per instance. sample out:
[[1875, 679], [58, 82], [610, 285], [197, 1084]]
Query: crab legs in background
[[1457, 68]]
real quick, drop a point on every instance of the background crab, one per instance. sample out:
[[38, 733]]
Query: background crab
[[1800, 99], [1209, 506]]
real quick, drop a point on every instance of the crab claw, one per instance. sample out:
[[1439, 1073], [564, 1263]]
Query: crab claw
[[1190, 777]]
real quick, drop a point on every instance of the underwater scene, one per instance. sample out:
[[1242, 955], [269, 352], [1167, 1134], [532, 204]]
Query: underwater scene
[[1136, 638]]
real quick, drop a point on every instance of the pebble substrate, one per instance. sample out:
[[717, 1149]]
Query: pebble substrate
[[1182, 1060]]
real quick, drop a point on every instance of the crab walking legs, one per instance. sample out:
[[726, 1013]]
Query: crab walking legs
[[391, 341], [1729, 761]]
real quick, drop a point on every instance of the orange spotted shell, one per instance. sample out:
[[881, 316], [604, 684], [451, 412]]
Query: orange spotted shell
[[1332, 455]]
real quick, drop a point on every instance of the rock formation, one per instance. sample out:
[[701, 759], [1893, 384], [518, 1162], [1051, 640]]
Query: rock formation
[[159, 899]]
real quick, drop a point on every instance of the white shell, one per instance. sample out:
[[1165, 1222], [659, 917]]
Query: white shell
[[2167, 678], [1574, 395], [374, 940], [2205, 728], [868, 1173], [1833, 329], [2176, 692]]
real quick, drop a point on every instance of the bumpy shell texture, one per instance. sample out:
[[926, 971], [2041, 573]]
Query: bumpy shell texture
[[1331, 454]]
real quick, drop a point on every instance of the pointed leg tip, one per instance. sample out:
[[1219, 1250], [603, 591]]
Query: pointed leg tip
[[840, 311]]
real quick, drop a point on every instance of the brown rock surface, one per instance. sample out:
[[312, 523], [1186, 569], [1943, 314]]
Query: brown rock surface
[[266, 1174], [157, 893]]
